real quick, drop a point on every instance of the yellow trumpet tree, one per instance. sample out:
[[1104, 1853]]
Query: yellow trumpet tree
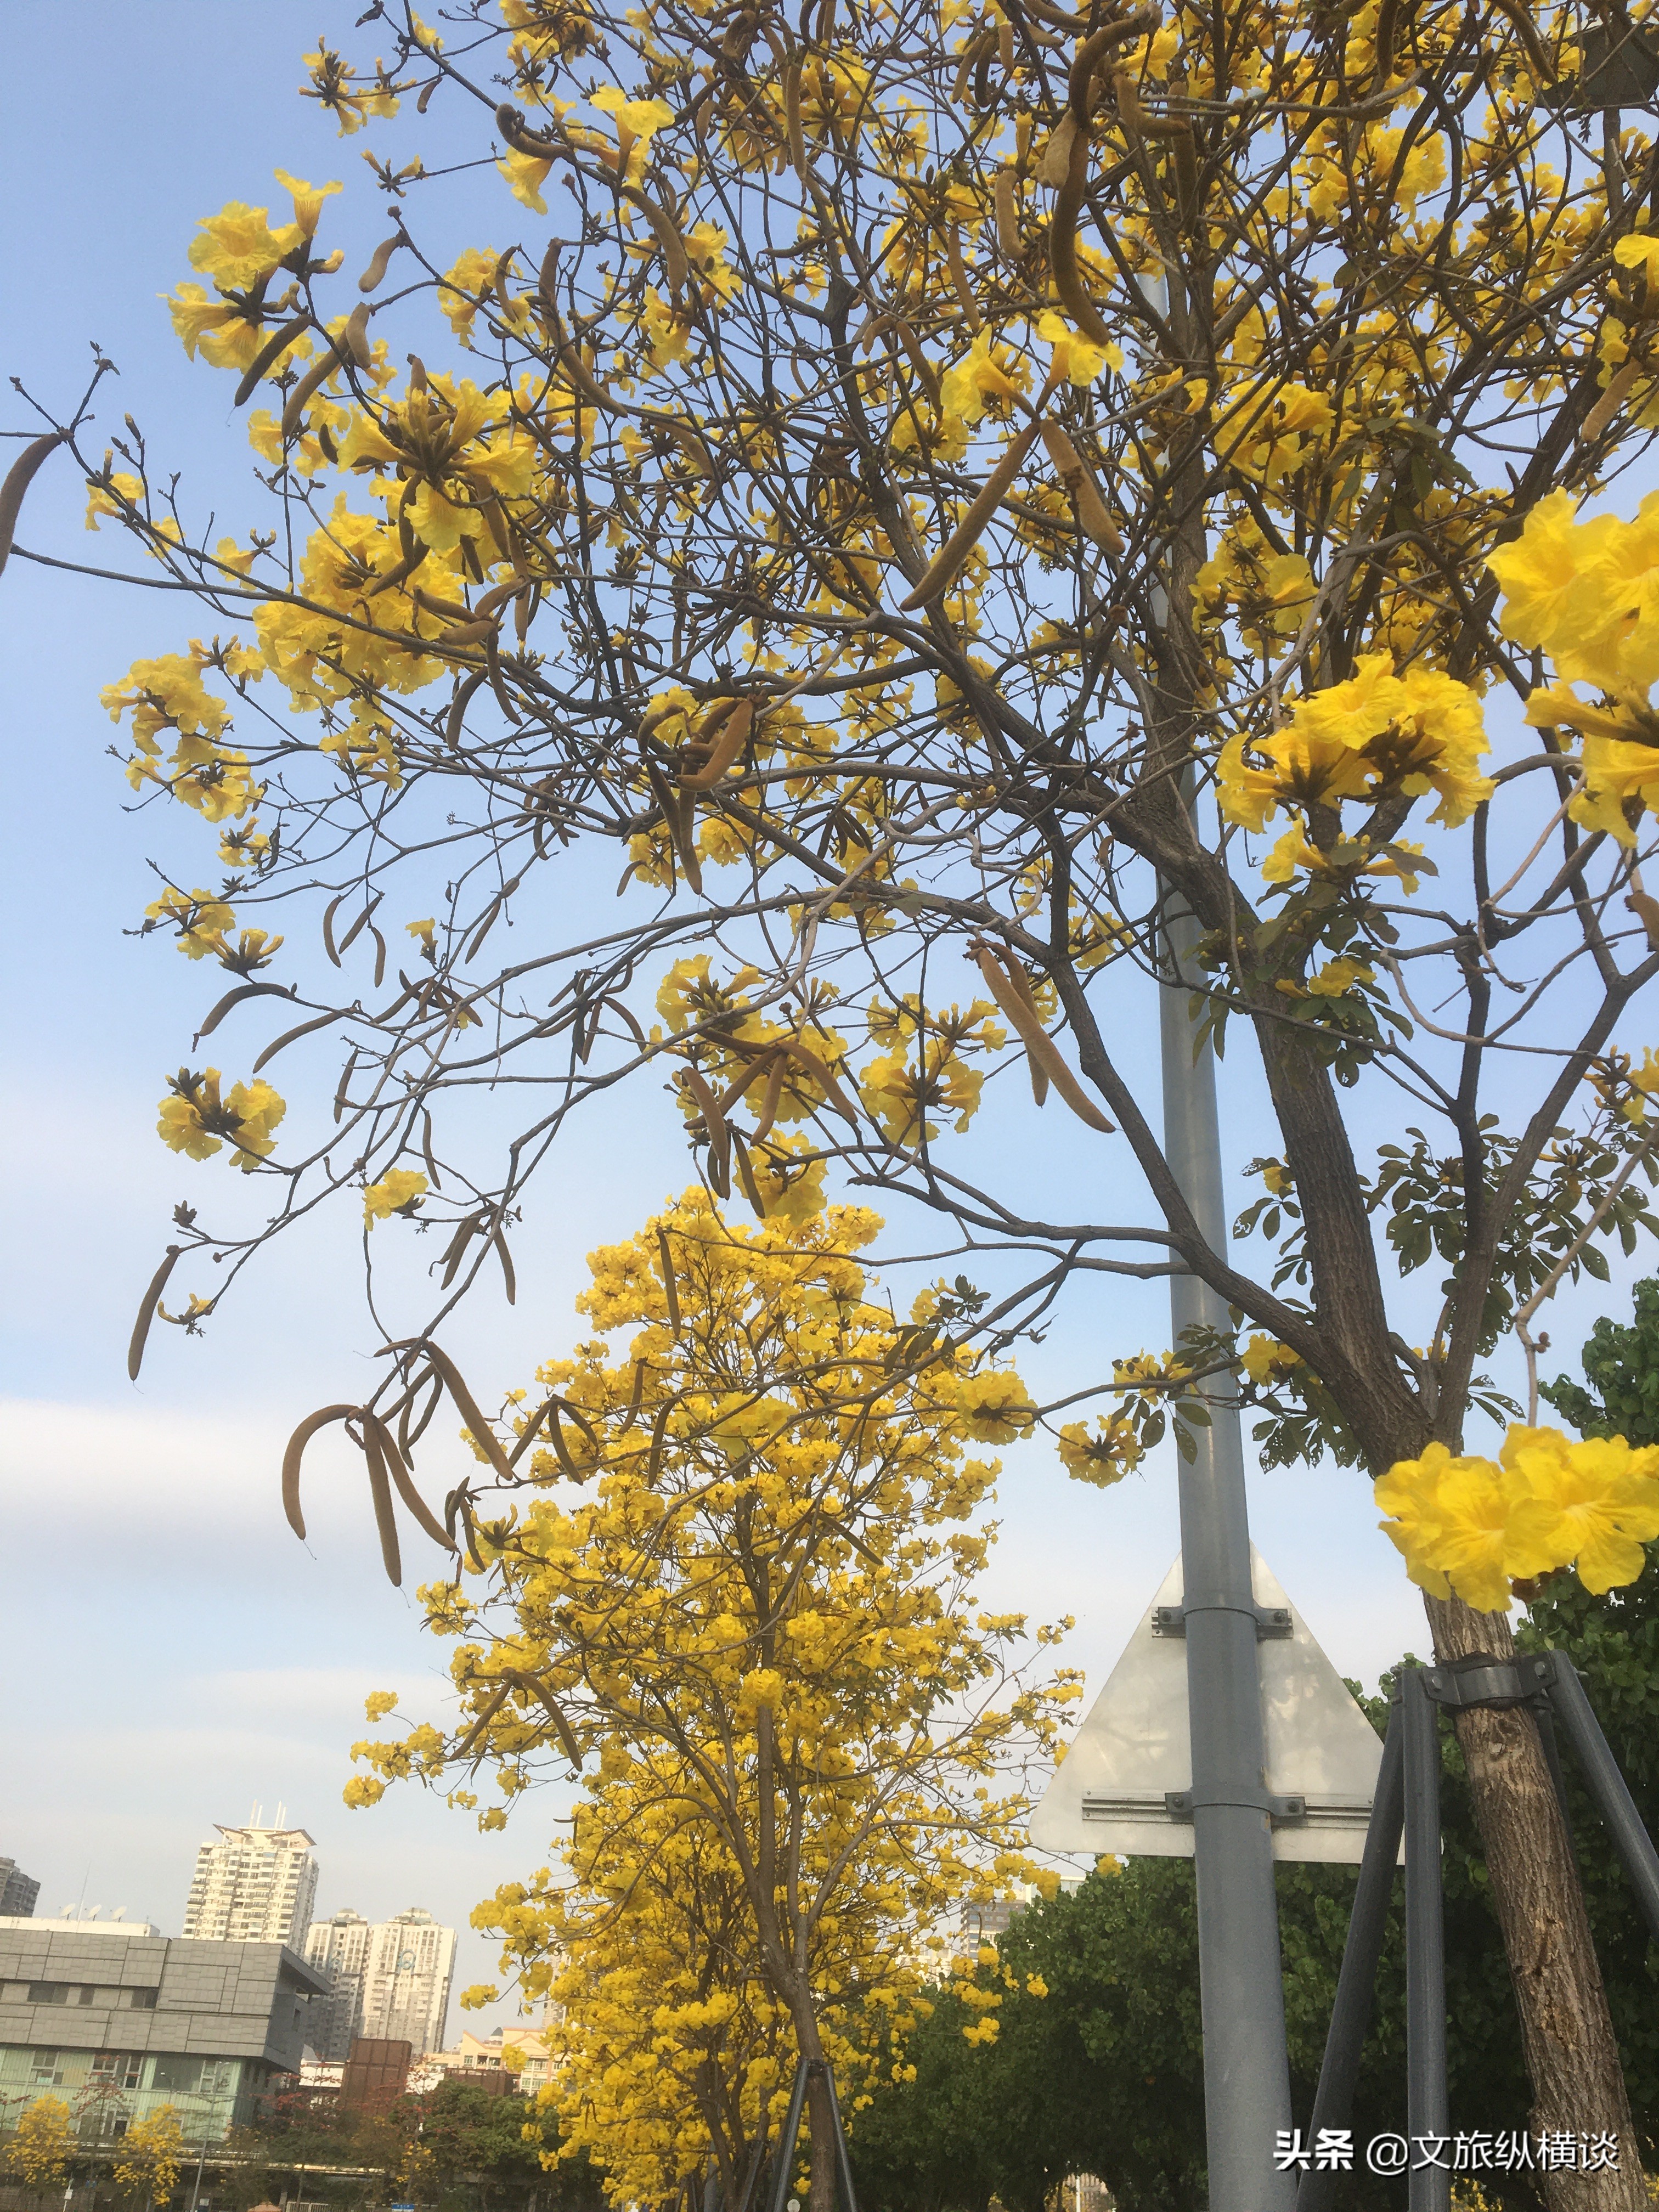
[[39, 2147], [935, 487], [732, 1581]]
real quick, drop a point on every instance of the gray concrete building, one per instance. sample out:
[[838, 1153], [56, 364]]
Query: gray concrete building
[[18, 1895], [115, 2021]]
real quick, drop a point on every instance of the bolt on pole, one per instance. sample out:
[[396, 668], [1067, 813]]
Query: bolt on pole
[[1247, 2086]]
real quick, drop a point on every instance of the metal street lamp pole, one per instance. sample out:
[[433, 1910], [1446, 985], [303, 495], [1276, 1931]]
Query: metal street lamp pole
[[1247, 2089]]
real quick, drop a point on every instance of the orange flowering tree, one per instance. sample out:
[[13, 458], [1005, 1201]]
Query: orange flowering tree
[[931, 488]]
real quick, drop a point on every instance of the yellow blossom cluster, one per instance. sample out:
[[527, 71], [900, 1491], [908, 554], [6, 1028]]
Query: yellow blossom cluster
[[1587, 594], [1377, 736], [400, 1190], [1472, 1526], [197, 1120]]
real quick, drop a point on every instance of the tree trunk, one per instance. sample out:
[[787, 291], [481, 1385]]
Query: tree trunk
[[823, 2198], [1567, 2041]]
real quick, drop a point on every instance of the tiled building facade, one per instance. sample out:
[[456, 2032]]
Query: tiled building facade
[[117, 2021]]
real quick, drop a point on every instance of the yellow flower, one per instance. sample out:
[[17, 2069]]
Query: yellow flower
[[379, 1703], [398, 1191], [994, 1405], [1263, 1357], [237, 246], [1639, 251], [978, 377], [1075, 359], [307, 201], [1592, 1504], [638, 122], [1102, 1459], [1338, 977]]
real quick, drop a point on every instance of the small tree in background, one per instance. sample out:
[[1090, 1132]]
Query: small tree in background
[[736, 1569], [41, 2145]]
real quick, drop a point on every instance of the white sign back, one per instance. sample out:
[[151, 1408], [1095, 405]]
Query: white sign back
[[1131, 1752]]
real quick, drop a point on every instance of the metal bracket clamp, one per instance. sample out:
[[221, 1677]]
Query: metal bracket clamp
[[1182, 1804], [1271, 1620], [1480, 1680]]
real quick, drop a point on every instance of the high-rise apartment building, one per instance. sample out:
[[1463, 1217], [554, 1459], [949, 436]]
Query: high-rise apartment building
[[18, 1894], [390, 1981], [255, 1885]]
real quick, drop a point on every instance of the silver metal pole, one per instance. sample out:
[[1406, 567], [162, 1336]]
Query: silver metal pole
[[1247, 2083]]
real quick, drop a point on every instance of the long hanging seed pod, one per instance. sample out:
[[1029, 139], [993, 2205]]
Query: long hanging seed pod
[[467, 1406], [296, 1453], [1037, 1041], [1008, 206], [1091, 512], [147, 1304], [19, 476], [235, 999], [951, 557], [269, 353], [670, 1289], [733, 735], [375, 1426], [1610, 402], [567, 1734], [380, 1490], [291, 1036]]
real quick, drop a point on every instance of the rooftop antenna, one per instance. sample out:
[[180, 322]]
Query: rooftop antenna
[[253, 1817], [281, 1810]]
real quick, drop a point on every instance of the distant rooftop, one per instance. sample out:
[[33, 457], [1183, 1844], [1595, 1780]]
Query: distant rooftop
[[82, 1927]]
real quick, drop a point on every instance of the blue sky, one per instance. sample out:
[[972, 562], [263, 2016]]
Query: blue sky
[[170, 1653]]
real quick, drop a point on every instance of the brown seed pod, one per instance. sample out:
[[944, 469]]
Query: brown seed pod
[[1646, 910], [907, 338], [792, 117], [147, 1304], [1008, 206], [746, 1175], [292, 1036], [1610, 402], [566, 1734], [949, 561], [963, 290], [719, 1135], [235, 999], [19, 476], [1091, 511], [356, 336], [670, 1290], [375, 1426], [380, 262], [268, 355], [1056, 163], [380, 1490], [1037, 1041], [1062, 244], [487, 1713], [466, 1405], [361, 923], [458, 706], [1006, 45], [733, 735], [296, 1453], [508, 1275], [334, 356]]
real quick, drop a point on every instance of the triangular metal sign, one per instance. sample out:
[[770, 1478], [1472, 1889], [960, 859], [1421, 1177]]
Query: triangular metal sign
[[1132, 1750]]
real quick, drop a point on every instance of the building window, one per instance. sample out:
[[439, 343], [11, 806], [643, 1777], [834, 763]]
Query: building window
[[117, 2070], [49, 1993], [180, 2077], [45, 2071]]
